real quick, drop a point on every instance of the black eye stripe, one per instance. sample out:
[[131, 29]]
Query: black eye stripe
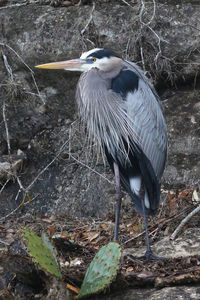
[[103, 53]]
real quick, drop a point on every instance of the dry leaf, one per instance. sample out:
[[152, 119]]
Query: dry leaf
[[73, 237], [129, 269], [85, 235], [184, 193], [104, 226], [92, 235], [52, 218], [173, 203], [135, 228], [47, 220], [96, 247], [52, 230], [73, 288], [169, 195], [65, 235]]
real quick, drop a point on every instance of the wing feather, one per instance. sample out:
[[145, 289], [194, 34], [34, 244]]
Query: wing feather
[[144, 109]]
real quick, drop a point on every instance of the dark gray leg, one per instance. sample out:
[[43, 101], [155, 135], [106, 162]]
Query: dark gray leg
[[148, 254], [118, 200], [149, 251]]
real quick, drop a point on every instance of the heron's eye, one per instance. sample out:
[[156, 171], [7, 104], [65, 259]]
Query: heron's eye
[[93, 59]]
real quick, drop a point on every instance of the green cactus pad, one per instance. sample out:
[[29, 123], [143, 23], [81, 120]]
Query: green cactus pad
[[102, 270], [41, 252]]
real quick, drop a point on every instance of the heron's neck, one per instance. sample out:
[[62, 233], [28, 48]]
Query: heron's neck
[[111, 73]]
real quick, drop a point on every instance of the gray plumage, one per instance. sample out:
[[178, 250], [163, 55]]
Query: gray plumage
[[111, 120], [123, 115]]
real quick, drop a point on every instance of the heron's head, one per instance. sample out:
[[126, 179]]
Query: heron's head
[[102, 59]]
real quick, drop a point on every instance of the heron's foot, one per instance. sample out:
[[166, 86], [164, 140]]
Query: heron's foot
[[150, 256], [132, 258]]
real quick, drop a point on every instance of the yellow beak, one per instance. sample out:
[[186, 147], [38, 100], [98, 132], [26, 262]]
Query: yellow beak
[[71, 65]]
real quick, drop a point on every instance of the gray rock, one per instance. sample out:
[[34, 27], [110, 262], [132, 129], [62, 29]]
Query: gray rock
[[185, 245], [10, 165], [168, 293], [40, 124]]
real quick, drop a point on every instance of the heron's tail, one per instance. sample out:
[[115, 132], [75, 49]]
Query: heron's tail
[[137, 201]]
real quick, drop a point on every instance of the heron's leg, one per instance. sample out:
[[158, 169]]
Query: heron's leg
[[118, 200], [148, 251], [148, 254]]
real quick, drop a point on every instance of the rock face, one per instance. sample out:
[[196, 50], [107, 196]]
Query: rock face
[[168, 293], [183, 246], [183, 119], [40, 108]]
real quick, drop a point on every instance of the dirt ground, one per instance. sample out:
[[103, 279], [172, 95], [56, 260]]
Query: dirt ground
[[77, 241]]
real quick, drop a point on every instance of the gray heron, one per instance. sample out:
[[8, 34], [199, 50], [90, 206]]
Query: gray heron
[[122, 113]]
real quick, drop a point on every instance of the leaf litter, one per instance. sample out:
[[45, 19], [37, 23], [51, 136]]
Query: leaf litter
[[77, 240]]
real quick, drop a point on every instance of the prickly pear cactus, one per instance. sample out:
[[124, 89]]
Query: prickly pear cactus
[[42, 252], [102, 270]]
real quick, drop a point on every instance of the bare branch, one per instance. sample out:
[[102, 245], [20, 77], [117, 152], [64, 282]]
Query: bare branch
[[142, 11], [6, 127], [159, 223], [8, 68], [142, 56], [32, 73], [150, 28], [94, 171], [3, 242], [90, 19], [183, 222], [16, 197], [4, 185], [127, 48], [125, 2], [14, 5], [16, 209], [20, 184], [47, 166]]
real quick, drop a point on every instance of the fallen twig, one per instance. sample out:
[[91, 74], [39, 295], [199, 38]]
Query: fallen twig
[[151, 232], [188, 276], [184, 221]]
